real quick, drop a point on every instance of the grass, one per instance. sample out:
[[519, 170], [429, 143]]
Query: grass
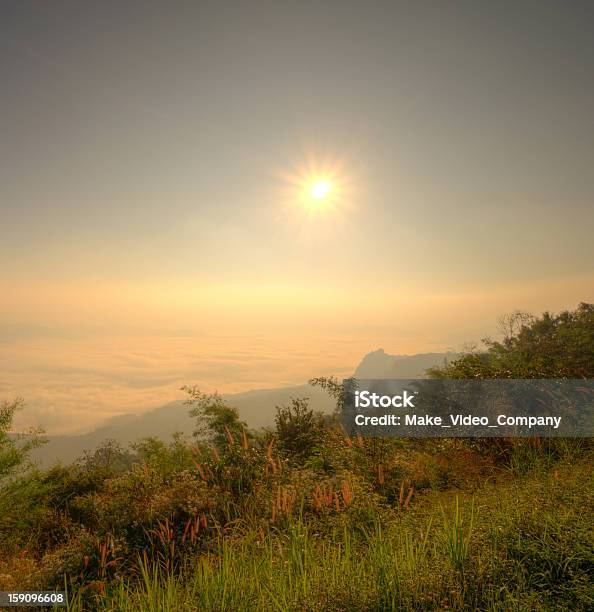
[[524, 543], [457, 538]]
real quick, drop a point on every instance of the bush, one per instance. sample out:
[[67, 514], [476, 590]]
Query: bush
[[299, 429]]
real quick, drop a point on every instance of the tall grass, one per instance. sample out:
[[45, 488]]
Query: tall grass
[[457, 537], [523, 545]]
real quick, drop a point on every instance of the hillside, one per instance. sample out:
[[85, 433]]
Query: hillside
[[256, 408], [305, 517]]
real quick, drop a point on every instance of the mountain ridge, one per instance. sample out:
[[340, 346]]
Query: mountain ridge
[[256, 407]]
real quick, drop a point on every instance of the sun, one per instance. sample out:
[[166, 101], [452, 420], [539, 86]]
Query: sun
[[320, 190], [317, 187]]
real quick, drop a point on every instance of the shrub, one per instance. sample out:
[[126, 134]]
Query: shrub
[[299, 429]]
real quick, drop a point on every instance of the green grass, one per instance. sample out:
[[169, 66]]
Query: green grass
[[524, 543]]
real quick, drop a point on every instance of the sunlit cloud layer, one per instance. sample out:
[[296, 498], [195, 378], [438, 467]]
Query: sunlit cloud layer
[[77, 369]]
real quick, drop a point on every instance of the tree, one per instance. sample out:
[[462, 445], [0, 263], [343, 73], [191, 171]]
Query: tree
[[108, 458], [14, 448], [298, 428], [216, 420], [550, 346], [166, 458]]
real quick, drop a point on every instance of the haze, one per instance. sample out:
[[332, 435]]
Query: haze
[[150, 237]]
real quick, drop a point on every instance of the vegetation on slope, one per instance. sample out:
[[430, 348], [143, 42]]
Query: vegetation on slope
[[304, 517]]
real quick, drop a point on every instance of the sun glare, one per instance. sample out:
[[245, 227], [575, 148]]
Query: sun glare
[[320, 189]]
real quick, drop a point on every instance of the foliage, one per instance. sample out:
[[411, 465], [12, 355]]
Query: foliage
[[166, 458], [306, 517], [216, 420], [299, 429], [336, 389], [108, 458], [14, 448], [550, 346], [530, 547]]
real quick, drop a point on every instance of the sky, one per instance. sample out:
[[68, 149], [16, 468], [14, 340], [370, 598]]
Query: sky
[[153, 162]]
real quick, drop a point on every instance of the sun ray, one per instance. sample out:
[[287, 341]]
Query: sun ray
[[318, 186]]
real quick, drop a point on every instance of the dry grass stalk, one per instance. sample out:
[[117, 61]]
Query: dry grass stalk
[[408, 497], [380, 474], [347, 494], [347, 438], [200, 470], [323, 497], [269, 449], [244, 440], [336, 502], [106, 548], [283, 502], [191, 529]]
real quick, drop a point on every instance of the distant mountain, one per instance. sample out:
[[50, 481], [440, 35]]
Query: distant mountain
[[378, 364], [256, 408]]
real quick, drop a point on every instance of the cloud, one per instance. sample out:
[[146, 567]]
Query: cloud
[[73, 376], [73, 385]]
